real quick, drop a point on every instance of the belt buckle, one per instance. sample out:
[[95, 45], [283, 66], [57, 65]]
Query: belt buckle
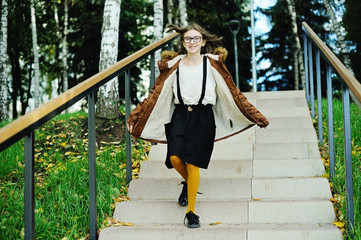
[[190, 109]]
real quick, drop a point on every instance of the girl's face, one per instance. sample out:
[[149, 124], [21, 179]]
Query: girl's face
[[193, 41]]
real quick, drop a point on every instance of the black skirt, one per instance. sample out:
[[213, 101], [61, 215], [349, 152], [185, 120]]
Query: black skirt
[[190, 135]]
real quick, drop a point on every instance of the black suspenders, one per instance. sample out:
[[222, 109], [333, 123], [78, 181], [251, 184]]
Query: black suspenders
[[203, 85]]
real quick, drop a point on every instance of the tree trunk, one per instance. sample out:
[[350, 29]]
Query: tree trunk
[[340, 39], [4, 92], [35, 85], [158, 28], [297, 59], [65, 47], [108, 104], [183, 12], [170, 11], [56, 85], [16, 79]]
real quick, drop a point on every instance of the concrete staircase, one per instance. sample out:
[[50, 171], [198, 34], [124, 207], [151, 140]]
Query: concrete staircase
[[263, 184]]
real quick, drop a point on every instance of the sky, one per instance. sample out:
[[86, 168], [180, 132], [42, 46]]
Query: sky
[[262, 24]]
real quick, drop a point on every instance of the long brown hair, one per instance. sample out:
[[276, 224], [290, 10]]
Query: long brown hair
[[212, 41]]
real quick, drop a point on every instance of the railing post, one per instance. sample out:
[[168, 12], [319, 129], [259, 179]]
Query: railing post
[[305, 52], [127, 134], [319, 97], [331, 145], [152, 70], [348, 156], [92, 167], [310, 69], [29, 186]]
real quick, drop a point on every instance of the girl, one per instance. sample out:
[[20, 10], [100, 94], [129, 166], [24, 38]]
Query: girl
[[193, 103]]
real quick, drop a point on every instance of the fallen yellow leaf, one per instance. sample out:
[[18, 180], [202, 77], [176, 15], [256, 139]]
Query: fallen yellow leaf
[[68, 153], [216, 223], [127, 224], [339, 224]]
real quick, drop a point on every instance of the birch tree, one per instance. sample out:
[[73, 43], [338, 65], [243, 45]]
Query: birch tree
[[158, 28], [340, 38], [35, 83], [65, 47], [183, 12], [298, 68], [170, 11], [108, 104], [62, 37], [3, 62]]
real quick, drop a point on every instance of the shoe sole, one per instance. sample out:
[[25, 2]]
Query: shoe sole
[[194, 226], [183, 205]]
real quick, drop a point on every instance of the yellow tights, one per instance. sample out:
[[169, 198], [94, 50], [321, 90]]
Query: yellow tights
[[190, 173]]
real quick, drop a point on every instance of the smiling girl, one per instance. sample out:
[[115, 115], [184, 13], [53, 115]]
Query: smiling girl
[[193, 103]]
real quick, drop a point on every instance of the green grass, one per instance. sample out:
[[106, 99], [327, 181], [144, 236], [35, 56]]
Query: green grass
[[61, 180], [338, 183]]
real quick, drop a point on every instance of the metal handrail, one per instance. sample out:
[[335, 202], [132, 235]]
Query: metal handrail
[[339, 67], [25, 126], [350, 87], [17, 129]]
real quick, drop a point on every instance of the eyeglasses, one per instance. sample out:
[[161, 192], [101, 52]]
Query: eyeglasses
[[196, 39]]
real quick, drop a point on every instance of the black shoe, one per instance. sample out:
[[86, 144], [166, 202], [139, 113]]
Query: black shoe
[[192, 220], [183, 197]]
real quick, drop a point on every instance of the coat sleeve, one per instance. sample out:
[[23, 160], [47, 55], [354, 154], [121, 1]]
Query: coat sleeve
[[137, 112], [253, 112]]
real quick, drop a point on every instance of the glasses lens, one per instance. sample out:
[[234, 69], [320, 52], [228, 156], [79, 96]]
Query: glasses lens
[[197, 39], [187, 39]]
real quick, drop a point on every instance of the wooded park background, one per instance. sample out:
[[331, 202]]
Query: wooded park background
[[49, 46]]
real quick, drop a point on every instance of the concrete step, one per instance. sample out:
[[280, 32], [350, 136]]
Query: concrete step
[[289, 123], [314, 211], [280, 103], [275, 95], [290, 188], [248, 136], [279, 135], [293, 232], [224, 232], [286, 151], [242, 151], [233, 189], [169, 212], [245, 151], [279, 168], [169, 189], [229, 212], [216, 169], [262, 168], [285, 136], [278, 112]]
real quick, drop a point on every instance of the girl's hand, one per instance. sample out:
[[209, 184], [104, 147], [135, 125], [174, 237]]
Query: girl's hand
[[130, 127]]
